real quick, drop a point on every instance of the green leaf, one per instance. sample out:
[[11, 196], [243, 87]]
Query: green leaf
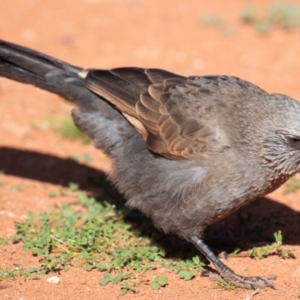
[[123, 291], [162, 280], [186, 275], [155, 286], [104, 281], [196, 260]]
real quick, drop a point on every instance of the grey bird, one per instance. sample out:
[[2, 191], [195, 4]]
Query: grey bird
[[186, 151]]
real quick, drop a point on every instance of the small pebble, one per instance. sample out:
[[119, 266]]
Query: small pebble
[[53, 279]]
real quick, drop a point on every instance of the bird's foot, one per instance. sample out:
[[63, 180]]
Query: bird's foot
[[244, 282], [226, 273]]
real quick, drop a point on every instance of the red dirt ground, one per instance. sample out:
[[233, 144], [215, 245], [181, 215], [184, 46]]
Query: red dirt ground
[[106, 34]]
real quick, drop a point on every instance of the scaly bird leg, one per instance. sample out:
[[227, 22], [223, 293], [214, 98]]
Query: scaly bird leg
[[228, 274]]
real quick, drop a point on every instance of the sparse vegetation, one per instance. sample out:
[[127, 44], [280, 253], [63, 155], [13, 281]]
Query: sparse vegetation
[[75, 158], [217, 22], [278, 15], [87, 158], [18, 187], [158, 281], [212, 20], [8, 274], [3, 240], [95, 235], [52, 194], [1, 177], [273, 249], [292, 185], [67, 129], [100, 234], [282, 15]]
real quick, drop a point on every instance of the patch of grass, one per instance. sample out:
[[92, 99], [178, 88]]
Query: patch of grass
[[75, 158], [282, 15], [187, 274], [211, 20], [3, 240], [70, 190], [101, 234], [217, 22], [67, 129], [125, 287], [292, 185], [158, 281], [272, 249], [249, 13], [87, 158], [285, 15], [9, 274], [52, 194], [1, 177], [18, 187], [73, 186]]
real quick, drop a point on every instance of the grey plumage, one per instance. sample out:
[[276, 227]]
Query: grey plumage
[[186, 151]]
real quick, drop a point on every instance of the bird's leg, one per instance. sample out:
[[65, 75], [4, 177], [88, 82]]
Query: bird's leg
[[226, 273]]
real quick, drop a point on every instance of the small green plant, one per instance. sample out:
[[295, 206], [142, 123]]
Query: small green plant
[[125, 287], [215, 21], [249, 13], [113, 279], [292, 185], [158, 281], [87, 158], [285, 15], [187, 275], [18, 187], [75, 158], [73, 186], [28, 274], [67, 129], [282, 15], [211, 20], [273, 249], [263, 26], [3, 240], [8, 273], [1, 177], [70, 190], [52, 194]]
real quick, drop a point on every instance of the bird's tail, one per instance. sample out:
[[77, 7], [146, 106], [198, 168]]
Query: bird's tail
[[28, 66], [93, 115]]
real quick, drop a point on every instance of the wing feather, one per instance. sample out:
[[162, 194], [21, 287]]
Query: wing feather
[[176, 115]]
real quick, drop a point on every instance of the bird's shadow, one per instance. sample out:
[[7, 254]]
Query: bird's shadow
[[47, 168], [251, 225]]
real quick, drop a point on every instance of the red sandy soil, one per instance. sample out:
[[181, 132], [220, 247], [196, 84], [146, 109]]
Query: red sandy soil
[[111, 33]]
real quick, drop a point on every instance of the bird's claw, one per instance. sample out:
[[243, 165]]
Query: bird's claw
[[252, 283]]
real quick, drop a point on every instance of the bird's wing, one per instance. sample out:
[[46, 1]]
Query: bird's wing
[[176, 115]]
